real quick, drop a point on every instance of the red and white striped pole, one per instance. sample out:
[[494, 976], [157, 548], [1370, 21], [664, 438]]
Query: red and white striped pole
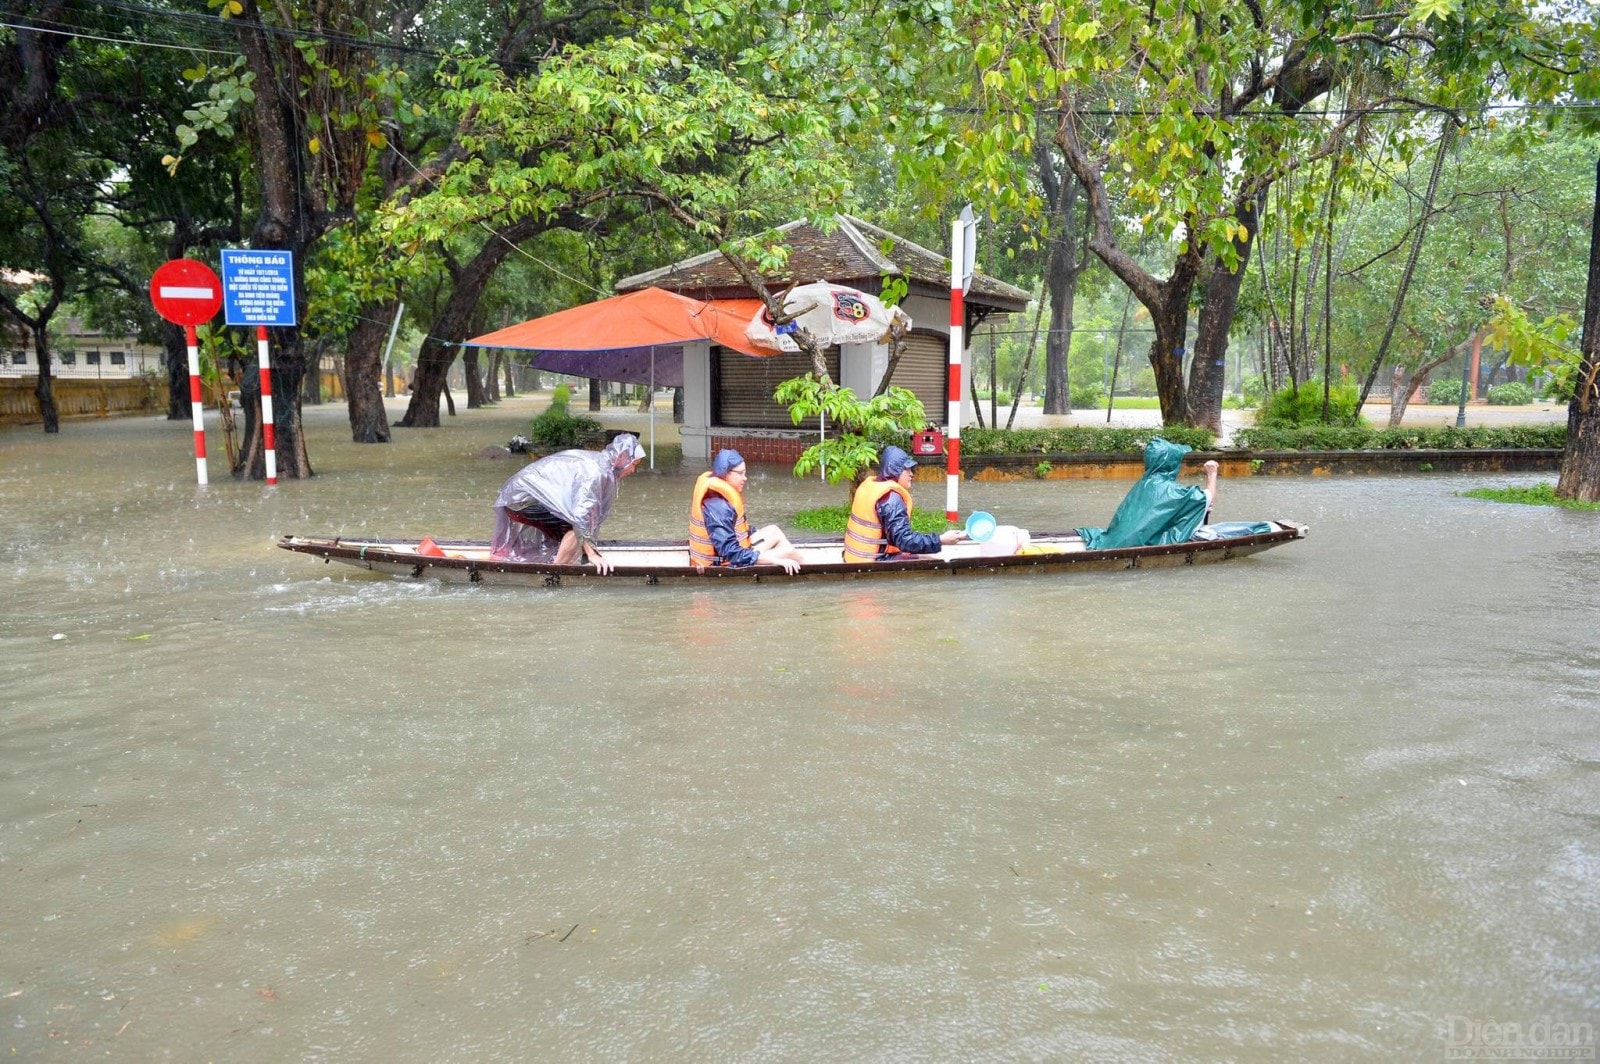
[[196, 406], [958, 321], [267, 431]]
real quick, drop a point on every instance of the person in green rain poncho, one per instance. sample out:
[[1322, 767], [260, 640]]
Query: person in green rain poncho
[[1157, 509]]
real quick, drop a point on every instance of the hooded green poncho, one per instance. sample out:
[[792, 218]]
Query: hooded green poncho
[[1157, 509]]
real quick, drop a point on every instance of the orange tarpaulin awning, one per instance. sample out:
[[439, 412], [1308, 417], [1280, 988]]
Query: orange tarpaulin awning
[[638, 337], [650, 317]]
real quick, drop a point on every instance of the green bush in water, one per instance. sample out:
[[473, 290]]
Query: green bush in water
[[1445, 392], [1079, 439], [1303, 406], [558, 429], [1087, 396], [1406, 438], [1254, 389], [1511, 393]]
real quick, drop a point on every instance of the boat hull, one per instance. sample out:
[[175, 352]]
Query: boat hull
[[666, 562]]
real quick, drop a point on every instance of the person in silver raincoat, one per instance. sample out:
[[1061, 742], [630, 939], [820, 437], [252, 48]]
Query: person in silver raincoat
[[552, 509]]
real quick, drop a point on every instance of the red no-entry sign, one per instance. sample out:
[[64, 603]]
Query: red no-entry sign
[[186, 292]]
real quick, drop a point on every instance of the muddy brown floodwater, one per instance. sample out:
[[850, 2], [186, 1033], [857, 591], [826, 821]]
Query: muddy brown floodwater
[[1336, 802]]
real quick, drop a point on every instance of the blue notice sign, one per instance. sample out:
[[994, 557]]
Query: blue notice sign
[[257, 287]]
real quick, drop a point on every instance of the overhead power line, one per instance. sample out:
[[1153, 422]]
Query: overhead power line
[[226, 26]]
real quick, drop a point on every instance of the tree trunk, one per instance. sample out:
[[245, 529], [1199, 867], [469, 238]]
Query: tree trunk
[[1116, 357], [42, 388], [492, 392], [1411, 262], [363, 365], [1170, 316], [453, 323], [175, 354], [594, 395], [1208, 372], [311, 376], [1580, 464], [1061, 270], [476, 397], [1403, 385], [288, 377], [1167, 301], [1400, 388], [1027, 363]]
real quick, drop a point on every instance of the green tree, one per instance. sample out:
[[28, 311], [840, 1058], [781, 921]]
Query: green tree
[[1182, 116]]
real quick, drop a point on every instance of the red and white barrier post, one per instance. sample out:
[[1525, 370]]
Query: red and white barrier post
[[188, 293], [962, 233], [268, 437], [196, 403]]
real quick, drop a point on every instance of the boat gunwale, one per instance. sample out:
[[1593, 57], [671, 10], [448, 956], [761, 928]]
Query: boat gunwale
[[359, 552]]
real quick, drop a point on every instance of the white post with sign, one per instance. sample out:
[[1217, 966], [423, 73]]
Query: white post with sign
[[259, 287], [963, 254]]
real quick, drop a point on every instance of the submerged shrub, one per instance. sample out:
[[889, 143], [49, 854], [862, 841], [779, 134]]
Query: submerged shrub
[[1303, 406], [1511, 393], [1079, 439], [558, 429], [1407, 438], [1445, 392]]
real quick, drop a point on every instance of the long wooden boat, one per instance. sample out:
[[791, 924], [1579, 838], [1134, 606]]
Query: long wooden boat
[[668, 560]]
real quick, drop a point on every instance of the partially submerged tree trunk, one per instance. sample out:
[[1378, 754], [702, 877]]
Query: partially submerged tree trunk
[[363, 366], [476, 396], [1580, 464], [1404, 384], [1167, 301], [43, 391], [175, 354], [288, 378], [453, 323]]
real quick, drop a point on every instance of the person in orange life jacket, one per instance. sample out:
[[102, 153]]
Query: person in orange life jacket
[[719, 533], [879, 528]]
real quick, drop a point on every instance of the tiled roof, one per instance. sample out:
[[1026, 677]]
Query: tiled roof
[[848, 255]]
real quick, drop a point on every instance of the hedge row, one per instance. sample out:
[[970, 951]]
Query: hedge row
[[1332, 438], [1078, 440]]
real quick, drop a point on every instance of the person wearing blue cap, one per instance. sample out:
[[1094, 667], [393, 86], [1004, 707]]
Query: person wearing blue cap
[[879, 528], [719, 532]]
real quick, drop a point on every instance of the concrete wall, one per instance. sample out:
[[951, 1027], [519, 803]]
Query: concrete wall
[[76, 397]]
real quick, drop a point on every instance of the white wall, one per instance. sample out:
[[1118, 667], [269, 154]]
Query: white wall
[[861, 366], [695, 432], [933, 315]]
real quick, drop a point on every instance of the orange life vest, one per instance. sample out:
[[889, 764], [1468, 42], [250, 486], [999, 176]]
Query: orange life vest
[[863, 534], [701, 552]]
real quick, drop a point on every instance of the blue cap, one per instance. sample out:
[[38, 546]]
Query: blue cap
[[895, 461], [727, 460]]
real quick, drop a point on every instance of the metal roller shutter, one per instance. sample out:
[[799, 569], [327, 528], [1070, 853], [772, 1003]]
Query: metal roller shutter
[[925, 369], [743, 387]]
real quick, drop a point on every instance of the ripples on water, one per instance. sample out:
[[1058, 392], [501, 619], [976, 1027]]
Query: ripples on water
[[1312, 804]]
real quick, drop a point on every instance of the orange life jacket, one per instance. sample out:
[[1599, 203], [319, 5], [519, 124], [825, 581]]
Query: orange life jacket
[[701, 552], [863, 534]]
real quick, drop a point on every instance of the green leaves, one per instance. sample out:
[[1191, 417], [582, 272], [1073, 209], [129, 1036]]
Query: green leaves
[[864, 426], [1538, 345]]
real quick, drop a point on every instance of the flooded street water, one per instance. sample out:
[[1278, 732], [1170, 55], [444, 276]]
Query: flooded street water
[[1335, 802]]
